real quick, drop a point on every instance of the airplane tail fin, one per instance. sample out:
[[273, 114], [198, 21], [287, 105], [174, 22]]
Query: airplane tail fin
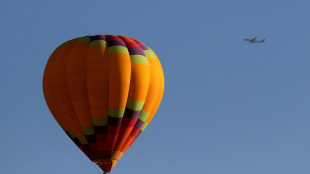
[[263, 40]]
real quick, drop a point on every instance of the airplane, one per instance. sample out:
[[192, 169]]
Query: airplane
[[254, 40]]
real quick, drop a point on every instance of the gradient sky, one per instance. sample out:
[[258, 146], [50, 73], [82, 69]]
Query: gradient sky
[[229, 107]]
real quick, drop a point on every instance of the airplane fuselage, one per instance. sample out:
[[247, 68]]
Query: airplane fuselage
[[255, 41]]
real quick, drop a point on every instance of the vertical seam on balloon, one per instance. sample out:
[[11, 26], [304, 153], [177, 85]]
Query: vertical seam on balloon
[[57, 99], [53, 91], [134, 138], [86, 85], [66, 75], [162, 84], [160, 94], [121, 125], [158, 97], [113, 150], [93, 126], [127, 138], [117, 137], [108, 97], [107, 38]]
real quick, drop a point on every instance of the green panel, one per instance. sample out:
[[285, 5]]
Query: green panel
[[139, 59], [98, 43], [149, 54], [117, 113], [83, 39], [83, 140], [88, 130], [100, 121], [118, 49], [144, 126], [134, 105], [143, 115], [71, 133], [152, 52]]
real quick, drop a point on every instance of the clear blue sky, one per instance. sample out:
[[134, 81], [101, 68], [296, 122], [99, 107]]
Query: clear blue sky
[[229, 107]]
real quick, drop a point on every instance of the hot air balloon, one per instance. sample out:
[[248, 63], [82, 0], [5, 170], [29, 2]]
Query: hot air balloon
[[103, 90]]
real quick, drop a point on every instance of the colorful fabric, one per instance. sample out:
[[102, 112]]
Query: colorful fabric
[[103, 90]]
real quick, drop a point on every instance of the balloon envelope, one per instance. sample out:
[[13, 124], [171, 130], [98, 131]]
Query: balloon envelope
[[103, 90]]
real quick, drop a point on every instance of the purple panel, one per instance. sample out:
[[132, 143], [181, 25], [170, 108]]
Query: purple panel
[[97, 37], [116, 43], [114, 121], [139, 124], [136, 51], [144, 47], [131, 114]]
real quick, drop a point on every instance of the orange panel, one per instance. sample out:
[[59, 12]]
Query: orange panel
[[153, 86], [125, 131], [140, 77], [76, 81], [48, 86], [127, 144], [161, 91], [98, 80], [60, 88], [119, 80]]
